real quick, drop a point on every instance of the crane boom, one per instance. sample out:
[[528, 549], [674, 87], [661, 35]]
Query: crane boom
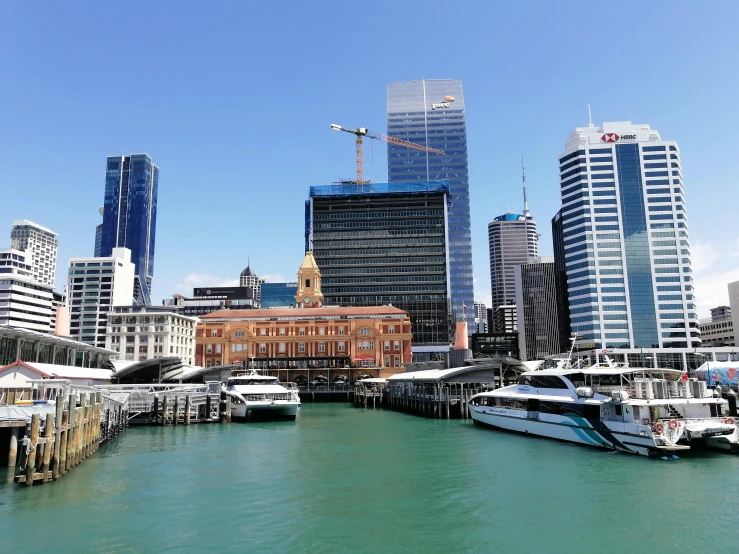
[[363, 132]]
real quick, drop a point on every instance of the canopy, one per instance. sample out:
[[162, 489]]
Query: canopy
[[719, 373]]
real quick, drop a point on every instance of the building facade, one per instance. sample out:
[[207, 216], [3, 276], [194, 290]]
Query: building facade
[[432, 113], [379, 244], [560, 267], [149, 332], [24, 302], [94, 287], [41, 246], [130, 215], [375, 339], [250, 280], [539, 321], [625, 232], [718, 330], [481, 317], [512, 240], [278, 295], [211, 299]]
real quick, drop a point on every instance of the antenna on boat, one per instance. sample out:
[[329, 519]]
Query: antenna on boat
[[573, 338]]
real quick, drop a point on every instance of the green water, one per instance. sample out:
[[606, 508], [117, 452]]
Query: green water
[[346, 479]]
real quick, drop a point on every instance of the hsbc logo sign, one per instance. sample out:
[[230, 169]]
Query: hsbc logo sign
[[613, 137]]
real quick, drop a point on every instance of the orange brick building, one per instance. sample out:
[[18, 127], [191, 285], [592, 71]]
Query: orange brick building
[[310, 340]]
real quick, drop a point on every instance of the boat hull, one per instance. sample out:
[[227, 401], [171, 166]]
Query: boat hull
[[576, 430], [265, 410]]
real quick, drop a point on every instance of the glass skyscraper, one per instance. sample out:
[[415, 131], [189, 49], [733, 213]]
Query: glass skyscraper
[[431, 113], [130, 215], [626, 242]]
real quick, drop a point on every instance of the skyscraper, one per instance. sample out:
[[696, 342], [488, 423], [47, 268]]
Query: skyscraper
[[386, 243], [40, 244], [249, 279], [432, 113], [626, 240], [130, 215], [512, 239], [537, 306]]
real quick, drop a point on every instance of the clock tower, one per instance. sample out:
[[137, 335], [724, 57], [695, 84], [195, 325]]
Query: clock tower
[[309, 283]]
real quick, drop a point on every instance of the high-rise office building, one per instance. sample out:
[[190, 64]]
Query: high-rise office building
[[130, 215], [626, 239], [512, 239], [24, 301], [250, 280], [94, 287], [539, 320], [560, 268], [432, 113], [481, 317], [386, 243], [40, 244]]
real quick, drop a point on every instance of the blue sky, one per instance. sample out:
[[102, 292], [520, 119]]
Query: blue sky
[[233, 101]]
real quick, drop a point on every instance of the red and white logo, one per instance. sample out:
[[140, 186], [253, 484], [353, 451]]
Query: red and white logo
[[610, 137]]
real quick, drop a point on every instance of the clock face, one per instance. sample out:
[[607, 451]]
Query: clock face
[[306, 300]]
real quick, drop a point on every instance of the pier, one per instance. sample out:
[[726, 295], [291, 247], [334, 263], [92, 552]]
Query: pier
[[437, 393]]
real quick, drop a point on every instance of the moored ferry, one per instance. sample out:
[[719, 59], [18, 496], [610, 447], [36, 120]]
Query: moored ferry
[[264, 396], [647, 411]]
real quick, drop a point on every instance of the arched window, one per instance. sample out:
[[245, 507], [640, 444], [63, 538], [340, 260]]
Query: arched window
[[239, 333], [364, 331]]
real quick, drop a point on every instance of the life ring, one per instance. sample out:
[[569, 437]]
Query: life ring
[[672, 424], [729, 420], [658, 428]]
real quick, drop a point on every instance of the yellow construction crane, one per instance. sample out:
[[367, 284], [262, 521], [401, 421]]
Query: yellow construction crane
[[363, 132]]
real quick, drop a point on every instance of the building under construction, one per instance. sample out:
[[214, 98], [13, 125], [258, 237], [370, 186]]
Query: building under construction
[[386, 243]]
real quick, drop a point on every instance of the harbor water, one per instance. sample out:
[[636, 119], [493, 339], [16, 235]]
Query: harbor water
[[347, 479]]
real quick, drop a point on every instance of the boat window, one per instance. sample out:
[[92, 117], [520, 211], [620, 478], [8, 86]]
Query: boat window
[[556, 408], [591, 411], [606, 380], [619, 410], [546, 382], [577, 379], [511, 403], [533, 404]]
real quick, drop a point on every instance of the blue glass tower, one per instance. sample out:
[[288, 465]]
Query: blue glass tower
[[431, 113], [130, 215]]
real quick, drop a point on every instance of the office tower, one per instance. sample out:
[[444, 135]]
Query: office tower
[[537, 314], [481, 318], [386, 243], [94, 287], [626, 239], [130, 215], [432, 113], [24, 301], [41, 245], [277, 295], [250, 280], [560, 268], [99, 234], [512, 239]]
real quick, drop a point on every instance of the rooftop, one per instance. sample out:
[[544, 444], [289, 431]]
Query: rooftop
[[327, 313], [27, 223], [353, 189]]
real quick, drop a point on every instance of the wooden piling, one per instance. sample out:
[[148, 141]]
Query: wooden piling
[[31, 461], [164, 409], [57, 436], [207, 409], [176, 409], [62, 469], [48, 446], [70, 433], [13, 448], [187, 409], [155, 415]]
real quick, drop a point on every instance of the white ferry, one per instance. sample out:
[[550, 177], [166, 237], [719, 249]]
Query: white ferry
[[262, 396], [648, 411]]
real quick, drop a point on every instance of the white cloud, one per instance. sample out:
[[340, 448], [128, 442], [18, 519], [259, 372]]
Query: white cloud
[[193, 280], [711, 290], [703, 255]]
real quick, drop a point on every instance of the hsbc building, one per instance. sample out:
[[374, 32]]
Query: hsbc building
[[624, 239]]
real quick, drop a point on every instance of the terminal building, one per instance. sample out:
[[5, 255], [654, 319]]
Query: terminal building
[[718, 330], [387, 244], [312, 339], [626, 242]]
